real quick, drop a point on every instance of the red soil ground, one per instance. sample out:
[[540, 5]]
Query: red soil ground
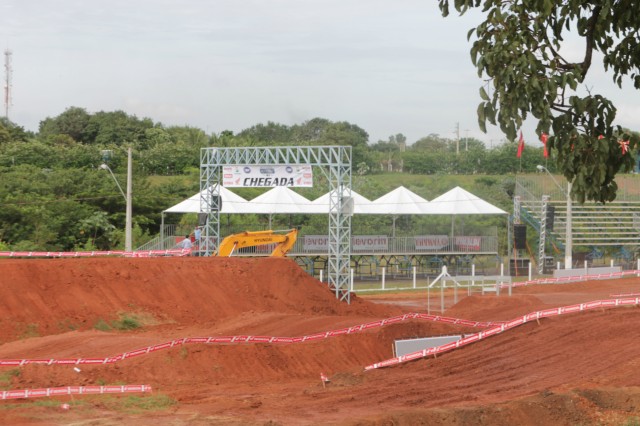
[[576, 369]]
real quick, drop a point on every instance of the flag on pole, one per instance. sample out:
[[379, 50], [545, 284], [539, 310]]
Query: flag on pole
[[543, 139], [520, 145]]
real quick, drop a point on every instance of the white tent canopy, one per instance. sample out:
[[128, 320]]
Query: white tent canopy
[[360, 204], [399, 201], [281, 200], [231, 203], [458, 201]]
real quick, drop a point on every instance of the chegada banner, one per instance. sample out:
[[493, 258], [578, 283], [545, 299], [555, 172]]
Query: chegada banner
[[267, 176]]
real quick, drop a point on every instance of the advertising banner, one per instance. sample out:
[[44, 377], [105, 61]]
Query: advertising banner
[[468, 243], [431, 242], [369, 242], [267, 176], [359, 243]]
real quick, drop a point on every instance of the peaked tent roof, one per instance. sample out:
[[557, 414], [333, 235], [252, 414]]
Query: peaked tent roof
[[360, 204], [458, 201], [231, 203], [399, 201], [280, 200]]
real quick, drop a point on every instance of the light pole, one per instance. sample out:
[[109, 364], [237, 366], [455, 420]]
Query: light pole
[[568, 244], [127, 199]]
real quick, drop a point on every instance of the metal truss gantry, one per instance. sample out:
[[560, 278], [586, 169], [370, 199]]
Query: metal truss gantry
[[335, 163]]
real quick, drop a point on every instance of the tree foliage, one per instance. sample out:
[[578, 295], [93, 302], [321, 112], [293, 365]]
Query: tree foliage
[[520, 48]]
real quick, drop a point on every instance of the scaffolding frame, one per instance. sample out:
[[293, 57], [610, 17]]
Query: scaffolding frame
[[335, 163]]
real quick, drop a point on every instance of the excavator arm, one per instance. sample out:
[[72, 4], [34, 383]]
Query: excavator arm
[[257, 238]]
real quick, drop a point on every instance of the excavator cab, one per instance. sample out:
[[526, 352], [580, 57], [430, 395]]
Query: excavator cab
[[284, 241]]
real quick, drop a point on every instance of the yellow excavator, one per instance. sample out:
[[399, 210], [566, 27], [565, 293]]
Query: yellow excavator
[[257, 238]]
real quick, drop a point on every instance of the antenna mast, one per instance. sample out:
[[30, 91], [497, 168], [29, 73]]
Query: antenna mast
[[7, 82]]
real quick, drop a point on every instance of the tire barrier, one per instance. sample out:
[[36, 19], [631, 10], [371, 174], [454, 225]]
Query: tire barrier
[[244, 339], [120, 253], [498, 329], [73, 390]]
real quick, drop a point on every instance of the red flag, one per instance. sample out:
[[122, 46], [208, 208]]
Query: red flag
[[520, 145], [624, 145], [543, 139], [324, 377]]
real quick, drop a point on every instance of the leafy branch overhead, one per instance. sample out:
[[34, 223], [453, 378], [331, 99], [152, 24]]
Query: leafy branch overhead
[[520, 49]]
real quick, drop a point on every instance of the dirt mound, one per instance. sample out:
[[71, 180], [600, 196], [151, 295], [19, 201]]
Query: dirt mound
[[575, 369], [41, 297]]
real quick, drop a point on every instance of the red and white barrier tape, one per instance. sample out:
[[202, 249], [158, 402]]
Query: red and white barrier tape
[[571, 279], [497, 329], [145, 253], [246, 339], [73, 390]]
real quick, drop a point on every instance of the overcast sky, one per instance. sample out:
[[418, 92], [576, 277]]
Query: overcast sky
[[387, 66]]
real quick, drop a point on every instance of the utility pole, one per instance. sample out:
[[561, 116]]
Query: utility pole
[[457, 138], [7, 82]]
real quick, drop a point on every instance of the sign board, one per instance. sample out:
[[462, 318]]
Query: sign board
[[407, 346], [267, 175]]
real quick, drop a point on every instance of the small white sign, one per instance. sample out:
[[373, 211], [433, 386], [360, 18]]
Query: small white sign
[[267, 175]]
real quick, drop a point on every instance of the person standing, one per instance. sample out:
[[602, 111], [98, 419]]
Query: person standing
[[197, 233], [186, 244]]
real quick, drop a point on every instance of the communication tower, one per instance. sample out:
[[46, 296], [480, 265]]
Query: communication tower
[[7, 82]]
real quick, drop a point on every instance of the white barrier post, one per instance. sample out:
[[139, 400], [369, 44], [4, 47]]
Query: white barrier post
[[502, 269], [351, 279], [384, 270], [530, 270], [321, 271], [612, 263], [442, 286], [473, 274], [558, 265], [414, 277], [586, 268]]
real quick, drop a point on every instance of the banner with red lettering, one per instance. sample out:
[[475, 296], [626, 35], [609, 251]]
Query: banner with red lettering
[[268, 175], [369, 242], [431, 242], [468, 243]]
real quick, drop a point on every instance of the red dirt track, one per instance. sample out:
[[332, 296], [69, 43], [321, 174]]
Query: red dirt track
[[580, 368]]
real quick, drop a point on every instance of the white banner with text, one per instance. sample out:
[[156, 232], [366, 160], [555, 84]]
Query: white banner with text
[[265, 176]]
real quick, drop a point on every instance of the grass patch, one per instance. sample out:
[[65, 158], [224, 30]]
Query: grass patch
[[67, 325], [138, 404], [29, 330], [40, 402], [7, 376], [125, 322], [102, 325]]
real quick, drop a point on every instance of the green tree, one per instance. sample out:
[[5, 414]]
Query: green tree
[[519, 48], [72, 122]]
